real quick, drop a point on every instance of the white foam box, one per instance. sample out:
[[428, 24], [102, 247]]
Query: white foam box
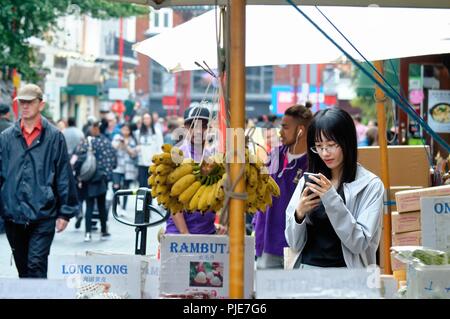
[[428, 282], [409, 201], [435, 219], [405, 222]]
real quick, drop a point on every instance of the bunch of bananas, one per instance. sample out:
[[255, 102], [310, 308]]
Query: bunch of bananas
[[260, 185], [183, 185]]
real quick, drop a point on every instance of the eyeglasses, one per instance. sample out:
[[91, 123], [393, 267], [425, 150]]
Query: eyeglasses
[[322, 149]]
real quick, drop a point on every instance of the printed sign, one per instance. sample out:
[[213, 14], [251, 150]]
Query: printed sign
[[200, 263], [435, 220], [122, 274], [439, 110]]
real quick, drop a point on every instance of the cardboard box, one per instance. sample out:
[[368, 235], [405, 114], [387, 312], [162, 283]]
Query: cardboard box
[[405, 222], [409, 201], [413, 238], [192, 264], [395, 189], [408, 165], [396, 264], [435, 216]]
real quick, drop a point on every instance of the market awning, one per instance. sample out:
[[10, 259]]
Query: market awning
[[279, 35], [362, 3], [84, 75]]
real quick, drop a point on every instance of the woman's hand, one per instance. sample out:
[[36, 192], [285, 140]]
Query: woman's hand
[[320, 186], [308, 201]]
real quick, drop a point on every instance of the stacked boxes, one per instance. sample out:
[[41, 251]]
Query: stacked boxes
[[406, 221]]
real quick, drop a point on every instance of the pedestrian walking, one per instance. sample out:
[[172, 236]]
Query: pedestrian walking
[[95, 188], [73, 135], [126, 171], [37, 186], [150, 141], [5, 122]]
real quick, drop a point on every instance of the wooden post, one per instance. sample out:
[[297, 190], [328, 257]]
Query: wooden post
[[381, 117], [237, 110]]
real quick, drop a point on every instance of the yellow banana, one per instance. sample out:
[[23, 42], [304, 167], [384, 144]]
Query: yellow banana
[[160, 179], [261, 189], [176, 208], [166, 148], [252, 196], [152, 169], [193, 204], [164, 199], [151, 180], [273, 187], [253, 179], [153, 192], [162, 189], [212, 196], [182, 184], [163, 169], [203, 201], [166, 158], [268, 198], [179, 172], [187, 194]]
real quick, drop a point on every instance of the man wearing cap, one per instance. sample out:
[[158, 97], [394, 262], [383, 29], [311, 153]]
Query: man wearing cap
[[196, 120], [37, 185]]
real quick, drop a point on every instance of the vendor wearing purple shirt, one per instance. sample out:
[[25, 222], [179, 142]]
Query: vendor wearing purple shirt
[[287, 164], [196, 120]]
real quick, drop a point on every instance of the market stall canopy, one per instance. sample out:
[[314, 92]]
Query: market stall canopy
[[279, 35], [362, 3]]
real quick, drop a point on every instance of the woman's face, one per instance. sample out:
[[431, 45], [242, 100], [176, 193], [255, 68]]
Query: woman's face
[[330, 152], [147, 120], [125, 131]]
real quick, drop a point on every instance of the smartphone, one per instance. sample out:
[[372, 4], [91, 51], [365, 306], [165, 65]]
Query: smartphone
[[309, 180]]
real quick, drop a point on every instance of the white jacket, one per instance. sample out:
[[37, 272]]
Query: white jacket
[[357, 222]]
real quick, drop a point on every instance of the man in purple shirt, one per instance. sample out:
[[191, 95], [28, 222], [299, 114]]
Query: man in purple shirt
[[287, 164], [196, 120]]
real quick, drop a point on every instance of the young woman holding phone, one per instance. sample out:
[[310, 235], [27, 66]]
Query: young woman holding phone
[[335, 220]]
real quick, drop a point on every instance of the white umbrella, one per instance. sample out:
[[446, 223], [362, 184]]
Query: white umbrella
[[278, 35]]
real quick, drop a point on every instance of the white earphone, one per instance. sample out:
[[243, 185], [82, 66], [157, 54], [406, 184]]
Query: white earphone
[[299, 132]]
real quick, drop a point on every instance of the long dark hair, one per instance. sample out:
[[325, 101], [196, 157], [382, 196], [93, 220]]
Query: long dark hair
[[130, 128], [144, 128], [336, 125]]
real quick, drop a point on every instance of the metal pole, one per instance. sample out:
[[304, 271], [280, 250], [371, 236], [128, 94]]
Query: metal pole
[[381, 117], [237, 108], [120, 51]]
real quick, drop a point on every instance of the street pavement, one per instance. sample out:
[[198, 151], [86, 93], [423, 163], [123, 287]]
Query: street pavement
[[71, 241]]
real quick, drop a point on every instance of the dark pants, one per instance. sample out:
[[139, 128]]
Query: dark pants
[[30, 245], [101, 205], [119, 182], [143, 176]]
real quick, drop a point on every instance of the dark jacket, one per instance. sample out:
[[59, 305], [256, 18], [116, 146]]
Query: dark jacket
[[106, 160], [36, 182], [4, 124]]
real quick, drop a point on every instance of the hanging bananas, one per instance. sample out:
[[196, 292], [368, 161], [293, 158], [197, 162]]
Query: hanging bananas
[[180, 184]]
